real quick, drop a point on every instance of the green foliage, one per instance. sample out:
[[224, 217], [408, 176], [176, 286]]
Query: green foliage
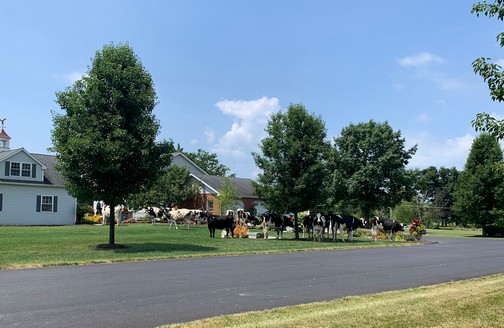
[[229, 196], [208, 162], [106, 140], [293, 161], [368, 167], [491, 72], [172, 187], [435, 194], [479, 192]]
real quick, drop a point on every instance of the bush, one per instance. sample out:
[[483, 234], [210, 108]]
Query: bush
[[494, 231]]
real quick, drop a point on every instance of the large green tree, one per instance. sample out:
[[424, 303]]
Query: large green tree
[[105, 142], [435, 189], [368, 167], [479, 192], [293, 161], [491, 72]]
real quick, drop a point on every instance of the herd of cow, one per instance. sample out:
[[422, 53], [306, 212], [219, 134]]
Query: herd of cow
[[315, 225]]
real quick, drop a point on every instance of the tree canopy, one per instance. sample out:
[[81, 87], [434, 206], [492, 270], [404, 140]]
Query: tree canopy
[[293, 161], [479, 192], [491, 73], [368, 167], [105, 142]]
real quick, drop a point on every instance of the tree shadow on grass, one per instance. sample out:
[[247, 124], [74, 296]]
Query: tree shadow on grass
[[156, 247]]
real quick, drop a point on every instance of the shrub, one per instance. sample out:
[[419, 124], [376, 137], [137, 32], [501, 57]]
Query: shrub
[[494, 231]]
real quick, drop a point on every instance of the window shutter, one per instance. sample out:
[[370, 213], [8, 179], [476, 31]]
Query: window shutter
[[55, 204], [1, 199], [34, 170], [39, 200], [7, 169]]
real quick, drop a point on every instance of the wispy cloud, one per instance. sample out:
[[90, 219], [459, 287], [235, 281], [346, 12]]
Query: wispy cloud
[[448, 153], [421, 59], [249, 120], [73, 76]]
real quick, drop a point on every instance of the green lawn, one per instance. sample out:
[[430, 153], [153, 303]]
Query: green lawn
[[66, 245], [461, 304]]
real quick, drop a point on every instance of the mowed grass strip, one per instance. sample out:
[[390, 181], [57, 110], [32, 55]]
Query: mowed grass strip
[[463, 304], [36, 246]]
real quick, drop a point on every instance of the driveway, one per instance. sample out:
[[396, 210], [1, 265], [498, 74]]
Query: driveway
[[149, 294]]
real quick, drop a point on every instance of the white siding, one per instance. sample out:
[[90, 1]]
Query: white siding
[[22, 157], [19, 205]]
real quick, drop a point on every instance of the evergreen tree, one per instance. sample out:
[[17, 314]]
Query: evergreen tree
[[479, 192]]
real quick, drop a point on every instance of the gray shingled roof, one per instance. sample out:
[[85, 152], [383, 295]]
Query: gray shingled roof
[[51, 175], [244, 186]]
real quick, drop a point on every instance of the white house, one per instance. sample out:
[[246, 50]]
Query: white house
[[31, 191]]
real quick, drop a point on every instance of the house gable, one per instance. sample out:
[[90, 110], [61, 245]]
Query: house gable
[[182, 160], [18, 165]]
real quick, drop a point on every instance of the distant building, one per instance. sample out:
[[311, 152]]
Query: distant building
[[31, 191], [210, 186]]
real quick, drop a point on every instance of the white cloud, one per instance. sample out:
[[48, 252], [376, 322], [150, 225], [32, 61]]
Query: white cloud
[[500, 62], [210, 135], [423, 117], [447, 153], [74, 76], [249, 120], [421, 59]]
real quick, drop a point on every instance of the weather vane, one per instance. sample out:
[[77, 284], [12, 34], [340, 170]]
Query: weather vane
[[2, 120]]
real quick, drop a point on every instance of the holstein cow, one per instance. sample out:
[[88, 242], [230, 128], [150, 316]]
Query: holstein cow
[[184, 215], [319, 223], [275, 221], [386, 226], [308, 226], [106, 213], [221, 222], [159, 213], [348, 223]]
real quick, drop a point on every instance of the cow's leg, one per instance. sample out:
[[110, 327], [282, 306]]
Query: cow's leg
[[350, 235], [342, 232], [392, 235]]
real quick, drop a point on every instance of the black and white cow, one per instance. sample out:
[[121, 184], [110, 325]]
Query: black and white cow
[[347, 223], [308, 226], [275, 221], [319, 225], [157, 214], [385, 225], [221, 222]]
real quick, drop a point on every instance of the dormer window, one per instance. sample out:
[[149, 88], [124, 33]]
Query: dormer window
[[18, 169]]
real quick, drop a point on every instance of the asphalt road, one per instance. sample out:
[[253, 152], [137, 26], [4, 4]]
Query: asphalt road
[[149, 294]]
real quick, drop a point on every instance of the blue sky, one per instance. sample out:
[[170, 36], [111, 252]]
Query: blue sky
[[221, 67]]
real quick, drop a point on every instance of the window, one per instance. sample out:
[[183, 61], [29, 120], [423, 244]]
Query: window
[[26, 170], [1, 200], [47, 203], [210, 205], [17, 169], [14, 169]]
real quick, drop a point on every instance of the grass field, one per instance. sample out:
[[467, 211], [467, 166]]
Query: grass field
[[24, 247], [462, 304]]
